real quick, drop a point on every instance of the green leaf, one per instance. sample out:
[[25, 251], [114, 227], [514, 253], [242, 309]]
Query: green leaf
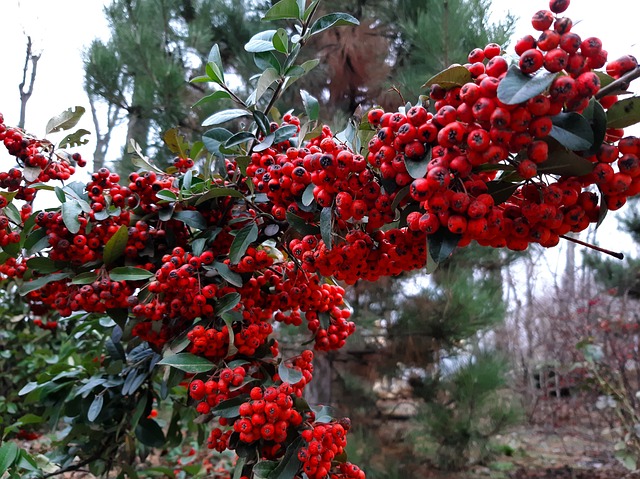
[[311, 105], [418, 169], [281, 41], [572, 130], [604, 79], [289, 464], [267, 78], [216, 95], [597, 118], [215, 58], [217, 193], [214, 138], [129, 273], [441, 244], [300, 225], [166, 195], [65, 120], [565, 162], [214, 73], [75, 139], [624, 113], [187, 362], [242, 241], [307, 195], [230, 276], [8, 454], [264, 60], [191, 218], [261, 42], [239, 138], [262, 121], [70, 212], [116, 245], [332, 19], [282, 10], [284, 133], [262, 469], [231, 407], [501, 191], [326, 216], [150, 433], [516, 87], [95, 408], [225, 115], [44, 265], [289, 375], [453, 76], [227, 303], [36, 241], [40, 282], [266, 142]]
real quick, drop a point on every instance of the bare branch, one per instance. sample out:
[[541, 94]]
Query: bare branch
[[25, 95]]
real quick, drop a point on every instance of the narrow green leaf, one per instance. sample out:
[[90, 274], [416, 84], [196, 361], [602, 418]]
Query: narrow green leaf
[[624, 113], [239, 138], [230, 276], [95, 408], [266, 142], [501, 191], [129, 273], [453, 76], [227, 303], [282, 10], [225, 115], [191, 218], [572, 131], [217, 193], [262, 469], [597, 118], [565, 162], [40, 282], [44, 265], [262, 121], [311, 105], [65, 120], [264, 60], [187, 362], [516, 87], [326, 226], [301, 226], [261, 42], [242, 241], [332, 19], [231, 407], [70, 211], [216, 95], [116, 245]]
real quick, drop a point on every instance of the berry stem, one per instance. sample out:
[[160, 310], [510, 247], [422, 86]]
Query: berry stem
[[593, 247], [621, 83]]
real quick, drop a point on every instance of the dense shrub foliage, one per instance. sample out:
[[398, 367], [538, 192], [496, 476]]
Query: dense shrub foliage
[[172, 282]]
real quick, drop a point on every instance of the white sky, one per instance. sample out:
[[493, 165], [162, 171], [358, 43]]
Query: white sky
[[60, 29]]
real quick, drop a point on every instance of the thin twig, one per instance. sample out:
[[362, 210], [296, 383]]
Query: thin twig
[[593, 247], [621, 83]]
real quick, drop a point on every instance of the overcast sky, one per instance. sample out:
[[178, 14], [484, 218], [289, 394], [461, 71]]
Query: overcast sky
[[61, 29]]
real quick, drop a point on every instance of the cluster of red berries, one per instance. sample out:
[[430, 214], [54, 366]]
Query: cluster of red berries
[[268, 415], [324, 443]]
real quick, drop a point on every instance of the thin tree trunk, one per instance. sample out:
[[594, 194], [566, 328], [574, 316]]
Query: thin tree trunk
[[26, 94]]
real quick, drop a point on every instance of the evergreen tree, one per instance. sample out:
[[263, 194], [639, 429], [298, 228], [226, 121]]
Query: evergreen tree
[[142, 71]]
